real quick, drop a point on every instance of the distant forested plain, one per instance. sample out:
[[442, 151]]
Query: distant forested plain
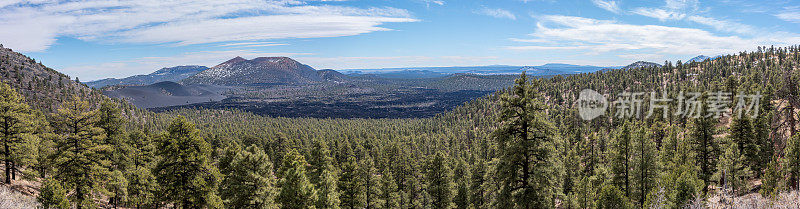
[[524, 146]]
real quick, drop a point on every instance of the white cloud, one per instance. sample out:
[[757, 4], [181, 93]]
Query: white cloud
[[258, 28], [790, 14], [723, 25], [497, 13], [599, 36], [35, 26], [611, 6], [687, 10], [672, 10], [238, 44], [660, 14], [682, 4], [437, 2]]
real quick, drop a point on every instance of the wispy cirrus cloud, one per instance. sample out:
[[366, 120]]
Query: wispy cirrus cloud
[[594, 36], [687, 10], [497, 13], [723, 25], [34, 26], [611, 6], [790, 14], [436, 2], [672, 10], [660, 14]]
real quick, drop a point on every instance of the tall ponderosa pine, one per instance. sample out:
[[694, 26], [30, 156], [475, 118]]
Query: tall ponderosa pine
[[524, 140], [772, 181], [439, 182], [323, 175], [327, 190], [185, 171], [390, 196], [477, 186], [461, 179], [732, 169], [15, 119], [350, 186], [81, 157], [645, 167], [792, 162], [369, 177], [742, 134], [110, 120], [621, 158], [320, 160], [296, 191], [761, 131], [141, 181], [705, 146], [249, 182]]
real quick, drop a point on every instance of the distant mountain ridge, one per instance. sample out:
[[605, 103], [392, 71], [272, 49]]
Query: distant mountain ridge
[[332, 75], [259, 71], [173, 74], [539, 71], [699, 58], [641, 64]]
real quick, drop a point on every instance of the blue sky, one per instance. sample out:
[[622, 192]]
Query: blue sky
[[94, 39]]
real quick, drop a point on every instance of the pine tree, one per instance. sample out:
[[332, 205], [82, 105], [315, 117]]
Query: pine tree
[[439, 183], [461, 177], [15, 120], [742, 134], [792, 162], [185, 171], [296, 191], [524, 141], [705, 147], [772, 182], [81, 160], [324, 176], [621, 158], [320, 160], [249, 182], [350, 187], [477, 187], [141, 182], [110, 120], [687, 188], [118, 188], [761, 131], [732, 170], [645, 167], [413, 193], [368, 175], [612, 198], [327, 190], [45, 152], [53, 195], [390, 196]]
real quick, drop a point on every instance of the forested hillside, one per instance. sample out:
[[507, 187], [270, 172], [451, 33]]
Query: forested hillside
[[43, 87], [523, 147]]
